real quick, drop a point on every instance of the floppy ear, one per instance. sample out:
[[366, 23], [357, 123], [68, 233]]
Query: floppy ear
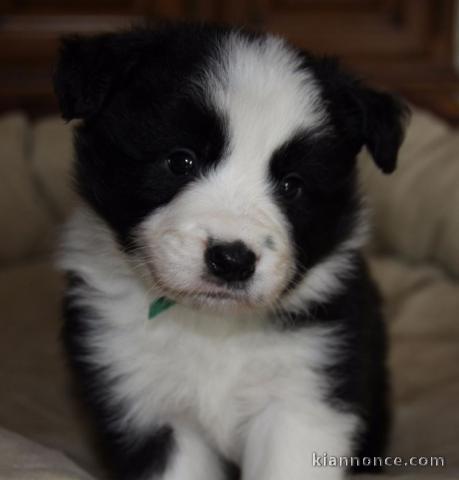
[[86, 72], [383, 119], [369, 117]]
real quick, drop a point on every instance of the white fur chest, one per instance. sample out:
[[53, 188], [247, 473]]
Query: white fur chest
[[213, 371]]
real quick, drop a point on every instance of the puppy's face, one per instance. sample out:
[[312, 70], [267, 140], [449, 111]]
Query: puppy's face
[[224, 162]]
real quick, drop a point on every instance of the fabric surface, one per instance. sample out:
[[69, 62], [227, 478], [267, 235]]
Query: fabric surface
[[25, 222], [414, 258], [415, 210], [422, 306], [36, 397], [21, 459], [50, 159]]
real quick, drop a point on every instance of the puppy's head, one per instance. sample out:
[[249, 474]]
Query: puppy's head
[[224, 160]]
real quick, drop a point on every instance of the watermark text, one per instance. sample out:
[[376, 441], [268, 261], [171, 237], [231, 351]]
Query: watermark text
[[326, 460]]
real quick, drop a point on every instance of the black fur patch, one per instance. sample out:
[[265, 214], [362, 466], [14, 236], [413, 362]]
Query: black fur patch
[[326, 213], [137, 116]]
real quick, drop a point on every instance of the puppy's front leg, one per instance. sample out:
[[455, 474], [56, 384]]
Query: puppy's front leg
[[192, 458], [176, 452], [281, 442]]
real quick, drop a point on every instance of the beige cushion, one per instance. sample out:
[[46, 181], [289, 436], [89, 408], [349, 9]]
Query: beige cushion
[[51, 163], [25, 222], [416, 209], [22, 459], [36, 398], [422, 306]]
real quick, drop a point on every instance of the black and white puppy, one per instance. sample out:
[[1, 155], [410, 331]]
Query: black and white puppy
[[218, 310]]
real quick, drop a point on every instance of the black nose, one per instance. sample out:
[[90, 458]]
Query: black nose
[[232, 262]]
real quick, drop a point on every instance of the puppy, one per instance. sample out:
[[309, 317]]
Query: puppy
[[218, 309]]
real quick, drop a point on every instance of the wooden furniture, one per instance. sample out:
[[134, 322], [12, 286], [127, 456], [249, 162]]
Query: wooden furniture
[[404, 45]]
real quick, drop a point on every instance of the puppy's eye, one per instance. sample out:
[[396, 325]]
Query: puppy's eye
[[291, 187], [182, 161]]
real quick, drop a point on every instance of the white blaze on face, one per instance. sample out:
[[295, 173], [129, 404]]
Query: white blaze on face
[[265, 99]]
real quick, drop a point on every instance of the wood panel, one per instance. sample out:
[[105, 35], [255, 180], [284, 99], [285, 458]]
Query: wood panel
[[353, 28], [403, 44], [30, 31]]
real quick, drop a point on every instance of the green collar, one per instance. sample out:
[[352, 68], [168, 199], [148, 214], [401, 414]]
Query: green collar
[[158, 306]]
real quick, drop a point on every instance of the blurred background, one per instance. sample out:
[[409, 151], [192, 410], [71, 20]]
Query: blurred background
[[409, 46], [406, 45]]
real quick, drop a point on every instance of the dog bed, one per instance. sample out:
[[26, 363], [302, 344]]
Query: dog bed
[[414, 256]]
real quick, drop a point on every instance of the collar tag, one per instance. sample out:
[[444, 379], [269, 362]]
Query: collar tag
[[158, 306]]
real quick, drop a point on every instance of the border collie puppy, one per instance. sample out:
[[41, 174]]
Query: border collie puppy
[[219, 315]]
